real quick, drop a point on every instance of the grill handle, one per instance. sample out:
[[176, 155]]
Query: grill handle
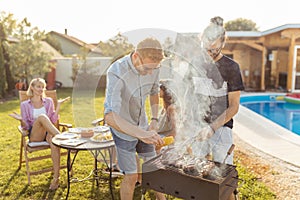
[[228, 185], [230, 150]]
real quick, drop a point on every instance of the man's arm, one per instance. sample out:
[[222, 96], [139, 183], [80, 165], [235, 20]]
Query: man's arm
[[117, 122], [233, 108], [154, 103]]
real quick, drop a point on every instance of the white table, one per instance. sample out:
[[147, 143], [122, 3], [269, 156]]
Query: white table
[[95, 148]]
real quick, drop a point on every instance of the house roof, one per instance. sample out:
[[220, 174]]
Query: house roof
[[45, 47], [75, 40], [252, 33], [49, 49], [260, 34]]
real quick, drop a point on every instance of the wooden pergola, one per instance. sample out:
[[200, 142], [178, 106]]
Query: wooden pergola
[[283, 39]]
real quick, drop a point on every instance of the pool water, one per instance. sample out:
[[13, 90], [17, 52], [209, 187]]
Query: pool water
[[282, 113]]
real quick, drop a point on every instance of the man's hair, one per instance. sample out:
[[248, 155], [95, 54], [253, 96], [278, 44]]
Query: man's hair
[[150, 48], [214, 31]]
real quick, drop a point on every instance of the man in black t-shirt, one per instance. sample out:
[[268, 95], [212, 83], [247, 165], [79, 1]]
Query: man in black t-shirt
[[224, 83]]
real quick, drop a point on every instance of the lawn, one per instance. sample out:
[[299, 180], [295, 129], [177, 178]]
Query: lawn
[[13, 183]]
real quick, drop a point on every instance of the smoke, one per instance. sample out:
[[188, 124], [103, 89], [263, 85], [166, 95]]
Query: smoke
[[194, 74], [197, 85]]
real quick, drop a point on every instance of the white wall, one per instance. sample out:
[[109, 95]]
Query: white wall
[[95, 65]]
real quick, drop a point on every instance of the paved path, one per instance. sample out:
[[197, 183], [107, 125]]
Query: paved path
[[267, 136]]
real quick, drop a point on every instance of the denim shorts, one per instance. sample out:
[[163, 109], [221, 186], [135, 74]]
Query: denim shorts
[[126, 153]]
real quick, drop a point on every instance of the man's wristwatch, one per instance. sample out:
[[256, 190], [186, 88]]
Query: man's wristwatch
[[154, 118]]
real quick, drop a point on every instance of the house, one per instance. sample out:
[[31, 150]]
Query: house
[[268, 59], [73, 46], [55, 55], [93, 65]]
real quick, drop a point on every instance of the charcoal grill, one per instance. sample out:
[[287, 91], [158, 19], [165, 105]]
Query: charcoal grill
[[174, 181]]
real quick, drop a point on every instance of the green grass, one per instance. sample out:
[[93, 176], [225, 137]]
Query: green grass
[[13, 182]]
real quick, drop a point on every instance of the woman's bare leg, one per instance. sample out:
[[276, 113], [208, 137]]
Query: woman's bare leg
[[55, 155], [41, 129], [42, 125]]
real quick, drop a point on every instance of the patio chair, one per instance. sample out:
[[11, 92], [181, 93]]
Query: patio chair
[[31, 147]]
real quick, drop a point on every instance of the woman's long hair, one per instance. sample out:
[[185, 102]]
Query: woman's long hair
[[34, 82], [168, 95]]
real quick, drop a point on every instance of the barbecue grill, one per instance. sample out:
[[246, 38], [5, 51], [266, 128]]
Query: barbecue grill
[[188, 184]]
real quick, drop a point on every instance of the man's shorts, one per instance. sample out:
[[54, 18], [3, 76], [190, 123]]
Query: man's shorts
[[126, 153], [220, 143]]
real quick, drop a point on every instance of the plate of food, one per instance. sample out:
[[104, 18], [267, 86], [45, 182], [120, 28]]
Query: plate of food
[[101, 129], [102, 137], [66, 136]]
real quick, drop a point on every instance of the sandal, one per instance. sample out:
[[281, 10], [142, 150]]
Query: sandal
[[137, 184], [54, 184]]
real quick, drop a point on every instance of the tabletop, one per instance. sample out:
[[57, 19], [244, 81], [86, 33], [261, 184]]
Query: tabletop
[[79, 143]]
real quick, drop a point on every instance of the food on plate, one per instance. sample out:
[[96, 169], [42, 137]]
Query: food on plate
[[102, 137]]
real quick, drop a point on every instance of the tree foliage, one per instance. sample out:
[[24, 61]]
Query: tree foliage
[[240, 24], [53, 42], [28, 64], [22, 51], [119, 45], [2, 82], [116, 46]]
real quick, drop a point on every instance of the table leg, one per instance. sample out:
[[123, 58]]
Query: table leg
[[69, 169], [109, 165], [96, 170], [110, 172]]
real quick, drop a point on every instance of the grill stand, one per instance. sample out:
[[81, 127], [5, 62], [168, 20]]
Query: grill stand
[[156, 177]]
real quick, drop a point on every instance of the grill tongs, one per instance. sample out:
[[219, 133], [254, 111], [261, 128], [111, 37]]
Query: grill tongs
[[230, 150]]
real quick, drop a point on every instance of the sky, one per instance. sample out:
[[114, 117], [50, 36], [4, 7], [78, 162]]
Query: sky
[[99, 20]]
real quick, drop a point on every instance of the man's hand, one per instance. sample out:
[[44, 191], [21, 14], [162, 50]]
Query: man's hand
[[16, 116], [205, 133], [152, 138]]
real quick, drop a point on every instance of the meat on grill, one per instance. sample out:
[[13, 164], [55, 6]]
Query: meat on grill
[[189, 178]]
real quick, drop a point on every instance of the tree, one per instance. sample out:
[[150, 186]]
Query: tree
[[241, 24], [116, 46], [53, 42], [7, 24], [79, 62], [2, 82], [28, 64], [23, 55]]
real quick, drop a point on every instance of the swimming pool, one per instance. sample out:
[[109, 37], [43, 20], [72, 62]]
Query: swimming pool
[[272, 107]]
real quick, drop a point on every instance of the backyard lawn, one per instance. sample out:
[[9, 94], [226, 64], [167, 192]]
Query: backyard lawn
[[13, 182]]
